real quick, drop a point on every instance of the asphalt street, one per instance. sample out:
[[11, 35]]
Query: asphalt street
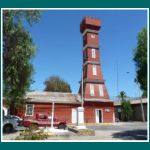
[[121, 126], [115, 132]]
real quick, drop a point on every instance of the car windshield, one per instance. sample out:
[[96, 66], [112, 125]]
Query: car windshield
[[14, 117], [7, 117]]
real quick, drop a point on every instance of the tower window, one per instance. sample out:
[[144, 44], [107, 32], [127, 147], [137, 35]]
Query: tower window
[[85, 72], [92, 90], [93, 36], [94, 70], [93, 53], [84, 55], [101, 93], [84, 40]]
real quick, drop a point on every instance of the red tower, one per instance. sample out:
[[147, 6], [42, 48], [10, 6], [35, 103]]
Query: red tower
[[93, 83]]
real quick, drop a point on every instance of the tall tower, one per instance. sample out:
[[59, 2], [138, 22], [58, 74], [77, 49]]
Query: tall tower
[[94, 88]]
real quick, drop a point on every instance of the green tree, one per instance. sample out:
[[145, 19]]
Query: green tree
[[18, 50], [140, 58], [125, 107], [122, 95], [56, 84]]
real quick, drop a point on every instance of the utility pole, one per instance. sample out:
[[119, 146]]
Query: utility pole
[[80, 110], [117, 80], [141, 103]]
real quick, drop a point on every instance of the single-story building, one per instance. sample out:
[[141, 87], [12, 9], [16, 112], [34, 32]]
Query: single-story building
[[66, 106], [137, 109]]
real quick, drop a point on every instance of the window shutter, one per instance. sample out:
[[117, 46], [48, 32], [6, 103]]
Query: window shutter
[[92, 90], [93, 53], [101, 93], [94, 70]]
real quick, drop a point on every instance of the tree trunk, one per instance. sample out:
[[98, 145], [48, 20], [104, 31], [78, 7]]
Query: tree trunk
[[12, 108]]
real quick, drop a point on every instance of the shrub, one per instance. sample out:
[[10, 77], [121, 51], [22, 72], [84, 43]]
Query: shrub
[[32, 134]]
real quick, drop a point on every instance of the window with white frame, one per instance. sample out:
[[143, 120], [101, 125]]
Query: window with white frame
[[92, 90], [93, 36], [94, 70], [93, 53], [29, 109], [101, 93]]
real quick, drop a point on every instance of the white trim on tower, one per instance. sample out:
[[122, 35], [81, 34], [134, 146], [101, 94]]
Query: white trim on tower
[[92, 93], [93, 53], [94, 70], [101, 92]]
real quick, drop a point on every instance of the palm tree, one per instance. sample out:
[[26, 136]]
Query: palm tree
[[125, 106], [122, 96]]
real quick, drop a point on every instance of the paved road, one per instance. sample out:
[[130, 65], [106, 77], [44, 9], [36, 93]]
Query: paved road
[[121, 126], [120, 131]]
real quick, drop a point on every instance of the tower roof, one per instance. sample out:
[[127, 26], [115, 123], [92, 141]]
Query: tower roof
[[90, 23]]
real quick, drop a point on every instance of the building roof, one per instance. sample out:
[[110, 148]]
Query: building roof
[[49, 97], [57, 97], [133, 101], [97, 100]]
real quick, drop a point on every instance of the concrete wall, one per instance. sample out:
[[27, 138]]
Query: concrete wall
[[5, 111], [137, 113]]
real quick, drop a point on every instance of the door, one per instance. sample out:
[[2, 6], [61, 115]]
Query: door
[[98, 115], [74, 115], [119, 115]]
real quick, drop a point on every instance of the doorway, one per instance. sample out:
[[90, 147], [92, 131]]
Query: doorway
[[74, 115], [119, 115], [98, 116]]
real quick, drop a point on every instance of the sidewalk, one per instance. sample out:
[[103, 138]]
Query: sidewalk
[[132, 123], [114, 124]]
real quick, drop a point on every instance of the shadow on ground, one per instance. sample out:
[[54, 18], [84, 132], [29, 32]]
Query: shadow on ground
[[12, 132], [131, 135]]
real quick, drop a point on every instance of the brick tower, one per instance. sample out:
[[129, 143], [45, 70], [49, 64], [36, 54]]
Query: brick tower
[[93, 83]]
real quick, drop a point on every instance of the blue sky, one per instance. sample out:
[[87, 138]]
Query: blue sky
[[59, 45]]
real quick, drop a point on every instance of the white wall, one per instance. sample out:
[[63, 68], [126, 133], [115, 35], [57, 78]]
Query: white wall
[[5, 111]]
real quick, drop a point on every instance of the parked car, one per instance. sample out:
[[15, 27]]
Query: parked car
[[18, 119], [9, 124], [42, 120]]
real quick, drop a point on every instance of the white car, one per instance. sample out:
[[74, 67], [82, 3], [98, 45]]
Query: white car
[[18, 119], [9, 124]]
